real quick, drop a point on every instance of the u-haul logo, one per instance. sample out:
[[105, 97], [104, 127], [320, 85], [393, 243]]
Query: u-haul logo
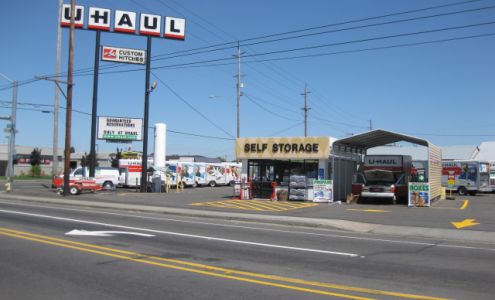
[[125, 22], [109, 53]]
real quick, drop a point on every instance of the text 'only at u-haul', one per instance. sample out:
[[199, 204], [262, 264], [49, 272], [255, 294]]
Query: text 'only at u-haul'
[[125, 22]]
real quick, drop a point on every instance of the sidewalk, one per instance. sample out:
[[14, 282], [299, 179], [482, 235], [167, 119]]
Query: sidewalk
[[179, 204]]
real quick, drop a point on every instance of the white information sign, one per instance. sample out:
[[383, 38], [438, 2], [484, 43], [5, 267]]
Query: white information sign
[[323, 191], [119, 129], [123, 55]]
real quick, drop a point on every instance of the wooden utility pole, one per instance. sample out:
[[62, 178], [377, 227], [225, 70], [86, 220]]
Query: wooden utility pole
[[306, 109], [68, 111]]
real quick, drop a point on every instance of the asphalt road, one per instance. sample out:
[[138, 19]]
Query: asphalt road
[[186, 258]]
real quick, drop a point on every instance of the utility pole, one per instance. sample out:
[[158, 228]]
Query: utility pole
[[68, 110], [239, 87], [12, 130], [371, 124], [56, 95], [306, 109]]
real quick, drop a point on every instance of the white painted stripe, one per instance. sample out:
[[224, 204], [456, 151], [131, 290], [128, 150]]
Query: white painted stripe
[[209, 238]]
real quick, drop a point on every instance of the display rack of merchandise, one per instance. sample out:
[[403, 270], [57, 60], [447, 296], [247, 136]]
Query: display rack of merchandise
[[297, 187]]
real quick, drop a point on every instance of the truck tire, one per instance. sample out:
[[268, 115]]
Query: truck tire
[[212, 183], [108, 185], [74, 190], [462, 191]]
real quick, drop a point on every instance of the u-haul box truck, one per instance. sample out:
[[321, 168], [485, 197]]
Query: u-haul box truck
[[386, 176], [466, 176], [130, 171]]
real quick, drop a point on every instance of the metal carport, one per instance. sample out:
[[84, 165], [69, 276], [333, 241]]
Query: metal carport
[[348, 151]]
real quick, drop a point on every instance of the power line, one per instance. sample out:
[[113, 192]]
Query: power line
[[378, 48], [191, 106], [364, 19], [266, 109], [285, 129], [200, 135], [372, 25], [327, 45], [373, 39]]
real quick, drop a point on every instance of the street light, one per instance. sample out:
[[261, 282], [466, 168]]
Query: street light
[[12, 130]]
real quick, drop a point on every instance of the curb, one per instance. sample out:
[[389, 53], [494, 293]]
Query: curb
[[351, 226]]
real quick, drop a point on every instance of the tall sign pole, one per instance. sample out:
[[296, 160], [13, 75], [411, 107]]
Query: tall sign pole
[[92, 162], [144, 159], [68, 110]]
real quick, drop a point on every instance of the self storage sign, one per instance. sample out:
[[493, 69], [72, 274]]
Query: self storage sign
[[123, 55]]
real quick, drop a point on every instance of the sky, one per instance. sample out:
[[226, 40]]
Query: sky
[[397, 65]]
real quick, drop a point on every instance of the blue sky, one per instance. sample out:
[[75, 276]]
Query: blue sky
[[442, 91]]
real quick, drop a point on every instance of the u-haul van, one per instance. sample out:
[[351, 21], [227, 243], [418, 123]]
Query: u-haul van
[[466, 176]]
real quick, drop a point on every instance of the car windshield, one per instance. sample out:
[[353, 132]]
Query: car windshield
[[379, 177]]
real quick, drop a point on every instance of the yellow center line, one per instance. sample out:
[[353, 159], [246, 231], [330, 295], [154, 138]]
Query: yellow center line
[[465, 204], [137, 257]]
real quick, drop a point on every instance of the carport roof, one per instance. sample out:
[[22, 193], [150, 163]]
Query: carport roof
[[375, 138]]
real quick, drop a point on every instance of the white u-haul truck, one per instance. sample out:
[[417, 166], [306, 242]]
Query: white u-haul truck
[[466, 176], [130, 171]]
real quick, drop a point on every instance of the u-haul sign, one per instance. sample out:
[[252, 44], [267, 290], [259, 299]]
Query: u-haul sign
[[124, 55], [125, 22]]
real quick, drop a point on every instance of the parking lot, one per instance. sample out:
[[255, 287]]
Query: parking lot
[[479, 209]]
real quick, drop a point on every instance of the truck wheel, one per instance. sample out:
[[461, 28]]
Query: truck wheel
[[212, 184], [462, 191], [74, 190], [108, 185]]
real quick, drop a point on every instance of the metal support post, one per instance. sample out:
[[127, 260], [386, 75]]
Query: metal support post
[[144, 159], [92, 161]]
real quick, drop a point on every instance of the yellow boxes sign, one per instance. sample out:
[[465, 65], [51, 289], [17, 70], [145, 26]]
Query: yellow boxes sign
[[283, 148]]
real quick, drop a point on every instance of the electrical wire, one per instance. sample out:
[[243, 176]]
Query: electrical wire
[[190, 105]]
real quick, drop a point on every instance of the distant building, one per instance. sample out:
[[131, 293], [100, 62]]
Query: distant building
[[485, 151], [23, 153]]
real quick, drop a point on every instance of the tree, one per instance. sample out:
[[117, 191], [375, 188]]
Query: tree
[[116, 157], [35, 161], [86, 160]]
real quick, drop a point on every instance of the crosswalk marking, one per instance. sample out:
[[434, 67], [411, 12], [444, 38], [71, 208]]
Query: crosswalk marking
[[258, 205]]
